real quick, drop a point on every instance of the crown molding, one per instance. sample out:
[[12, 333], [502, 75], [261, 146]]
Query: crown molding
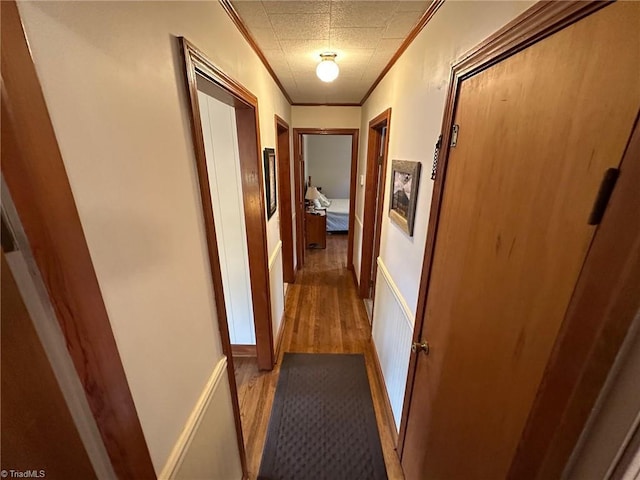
[[239, 23], [228, 7], [313, 104], [426, 16]]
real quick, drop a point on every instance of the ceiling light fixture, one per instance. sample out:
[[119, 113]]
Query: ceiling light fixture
[[327, 70]]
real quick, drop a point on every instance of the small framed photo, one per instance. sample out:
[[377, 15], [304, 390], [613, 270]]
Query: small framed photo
[[271, 195], [405, 178]]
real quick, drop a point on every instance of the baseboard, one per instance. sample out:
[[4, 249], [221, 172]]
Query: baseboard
[[181, 447], [238, 350], [388, 413]]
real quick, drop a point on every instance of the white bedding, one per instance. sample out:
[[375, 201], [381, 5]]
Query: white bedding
[[338, 215]]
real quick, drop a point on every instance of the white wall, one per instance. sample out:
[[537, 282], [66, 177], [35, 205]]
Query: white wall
[[325, 117], [328, 162], [416, 88], [225, 182], [113, 79]]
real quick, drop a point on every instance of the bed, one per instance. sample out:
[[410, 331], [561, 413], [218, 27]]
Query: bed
[[338, 215]]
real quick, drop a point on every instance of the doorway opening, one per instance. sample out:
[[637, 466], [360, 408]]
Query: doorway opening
[[325, 181], [230, 173], [377, 152]]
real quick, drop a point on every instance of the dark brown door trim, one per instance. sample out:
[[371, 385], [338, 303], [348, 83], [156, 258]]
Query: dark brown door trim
[[299, 184], [36, 177], [373, 201], [246, 106], [283, 153], [536, 23]]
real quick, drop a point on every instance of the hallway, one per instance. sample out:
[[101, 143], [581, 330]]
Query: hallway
[[323, 314]]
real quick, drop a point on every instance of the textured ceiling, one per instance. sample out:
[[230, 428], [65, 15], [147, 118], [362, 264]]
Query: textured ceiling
[[365, 35]]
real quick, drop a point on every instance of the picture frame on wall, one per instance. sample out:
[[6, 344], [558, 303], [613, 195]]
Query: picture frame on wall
[[405, 179], [269, 156]]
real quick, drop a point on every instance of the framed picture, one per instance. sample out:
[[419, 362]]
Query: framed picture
[[269, 156], [405, 178]]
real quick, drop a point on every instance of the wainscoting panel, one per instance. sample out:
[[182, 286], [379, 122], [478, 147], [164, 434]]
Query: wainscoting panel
[[207, 447], [276, 281], [392, 333]]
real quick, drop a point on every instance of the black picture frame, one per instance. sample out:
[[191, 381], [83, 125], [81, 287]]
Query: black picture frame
[[270, 191], [405, 179]]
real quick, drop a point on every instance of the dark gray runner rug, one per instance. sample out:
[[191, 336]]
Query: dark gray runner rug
[[322, 425]]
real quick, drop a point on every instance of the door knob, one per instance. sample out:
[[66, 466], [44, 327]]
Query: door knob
[[420, 347]]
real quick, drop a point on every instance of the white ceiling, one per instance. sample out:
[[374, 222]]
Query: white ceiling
[[365, 35]]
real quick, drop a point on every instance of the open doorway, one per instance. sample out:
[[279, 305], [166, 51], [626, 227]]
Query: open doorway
[[220, 134], [230, 173], [325, 175], [377, 152], [238, 227]]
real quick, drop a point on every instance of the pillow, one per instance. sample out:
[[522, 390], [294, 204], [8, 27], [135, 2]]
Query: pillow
[[324, 201]]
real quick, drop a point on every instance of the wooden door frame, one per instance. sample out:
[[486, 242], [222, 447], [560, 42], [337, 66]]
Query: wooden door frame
[[33, 168], [298, 173], [373, 203], [283, 154], [589, 339], [246, 107]]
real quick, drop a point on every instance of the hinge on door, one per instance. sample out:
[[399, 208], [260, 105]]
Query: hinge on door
[[604, 194], [454, 135], [380, 159], [434, 167]]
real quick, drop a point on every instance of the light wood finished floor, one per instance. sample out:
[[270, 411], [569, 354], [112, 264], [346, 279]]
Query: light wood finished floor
[[323, 314]]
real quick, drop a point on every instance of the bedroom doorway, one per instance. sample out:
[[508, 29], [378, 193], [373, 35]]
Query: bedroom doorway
[[320, 146], [377, 153]]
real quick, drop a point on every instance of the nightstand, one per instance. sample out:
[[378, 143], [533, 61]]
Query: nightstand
[[316, 230]]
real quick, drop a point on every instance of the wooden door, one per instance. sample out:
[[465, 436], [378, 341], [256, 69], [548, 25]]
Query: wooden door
[[536, 133], [38, 432]]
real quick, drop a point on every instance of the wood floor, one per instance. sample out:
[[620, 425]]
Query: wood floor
[[323, 314]]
